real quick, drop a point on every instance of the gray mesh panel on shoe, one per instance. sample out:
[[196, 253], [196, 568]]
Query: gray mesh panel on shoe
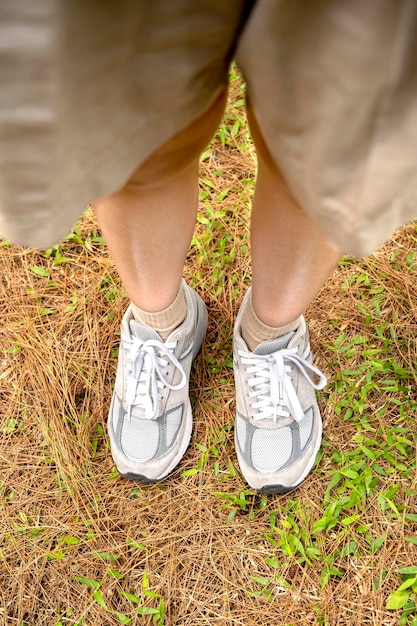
[[271, 449], [140, 439], [173, 424]]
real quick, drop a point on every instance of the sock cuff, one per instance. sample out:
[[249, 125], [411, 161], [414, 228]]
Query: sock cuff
[[165, 321], [254, 331]]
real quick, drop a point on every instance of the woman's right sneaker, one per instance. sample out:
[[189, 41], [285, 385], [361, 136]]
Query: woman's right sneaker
[[278, 425]]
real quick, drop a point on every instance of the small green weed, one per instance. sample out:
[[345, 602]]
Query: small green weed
[[157, 612], [405, 597]]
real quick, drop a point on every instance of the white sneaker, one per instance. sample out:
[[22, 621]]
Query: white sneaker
[[150, 418], [278, 424]]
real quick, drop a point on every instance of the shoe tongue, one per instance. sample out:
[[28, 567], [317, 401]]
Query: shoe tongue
[[272, 345], [143, 332]]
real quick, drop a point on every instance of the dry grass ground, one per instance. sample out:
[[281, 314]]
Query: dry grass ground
[[80, 545]]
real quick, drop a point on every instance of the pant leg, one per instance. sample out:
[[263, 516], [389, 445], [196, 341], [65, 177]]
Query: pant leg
[[333, 85]]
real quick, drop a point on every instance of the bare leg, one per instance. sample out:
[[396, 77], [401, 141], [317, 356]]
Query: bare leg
[[291, 260], [278, 424], [149, 223]]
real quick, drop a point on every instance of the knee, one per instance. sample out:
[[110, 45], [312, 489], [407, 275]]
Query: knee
[[179, 153]]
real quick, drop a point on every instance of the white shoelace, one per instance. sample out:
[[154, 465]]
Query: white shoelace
[[273, 391], [148, 362]]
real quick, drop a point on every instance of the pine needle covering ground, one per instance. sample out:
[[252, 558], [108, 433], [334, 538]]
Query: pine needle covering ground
[[82, 546]]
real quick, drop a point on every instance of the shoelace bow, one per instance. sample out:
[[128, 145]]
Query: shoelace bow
[[148, 362], [273, 389]]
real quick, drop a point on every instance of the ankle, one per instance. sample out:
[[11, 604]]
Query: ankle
[[167, 320], [255, 331]]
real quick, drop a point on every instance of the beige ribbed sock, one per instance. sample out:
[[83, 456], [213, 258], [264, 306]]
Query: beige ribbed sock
[[164, 322], [254, 331]]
